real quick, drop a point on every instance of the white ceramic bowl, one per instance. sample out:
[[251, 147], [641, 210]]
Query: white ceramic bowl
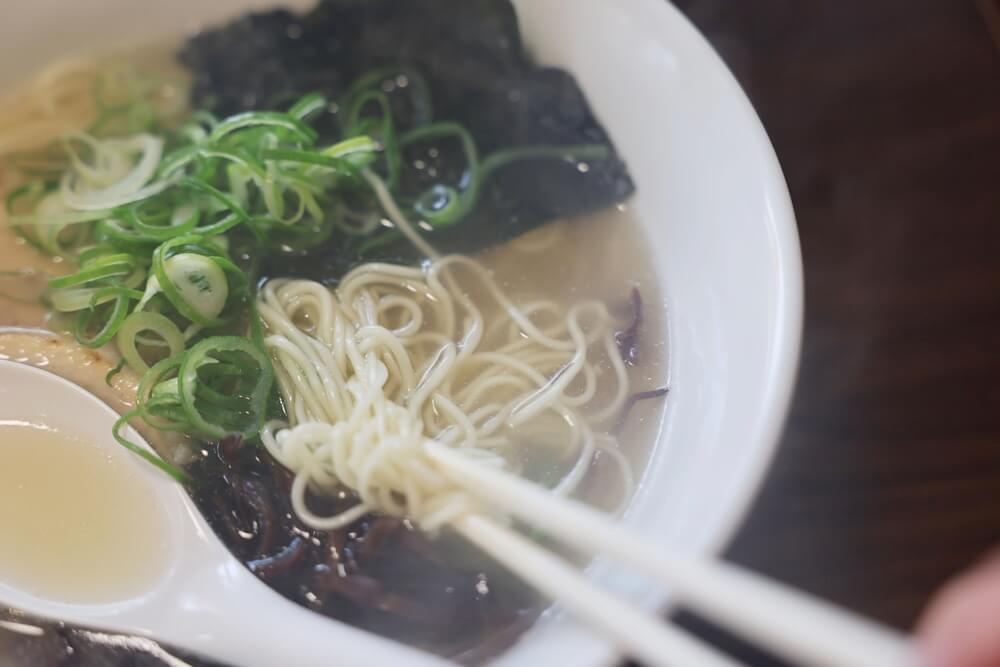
[[716, 211]]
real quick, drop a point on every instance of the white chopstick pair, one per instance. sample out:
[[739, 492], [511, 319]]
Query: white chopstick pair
[[787, 622]]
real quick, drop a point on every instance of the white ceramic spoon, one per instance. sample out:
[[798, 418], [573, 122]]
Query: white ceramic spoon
[[204, 601]]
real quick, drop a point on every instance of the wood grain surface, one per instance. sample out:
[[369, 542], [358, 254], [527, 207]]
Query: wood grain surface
[[886, 117]]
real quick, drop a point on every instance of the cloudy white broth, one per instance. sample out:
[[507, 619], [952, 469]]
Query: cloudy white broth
[[365, 228], [84, 527]]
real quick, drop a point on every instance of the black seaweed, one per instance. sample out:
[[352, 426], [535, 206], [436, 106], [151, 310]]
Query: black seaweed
[[478, 74], [627, 339], [379, 574]]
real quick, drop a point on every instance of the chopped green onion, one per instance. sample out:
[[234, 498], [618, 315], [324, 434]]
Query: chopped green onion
[[165, 229], [108, 315], [110, 375], [250, 385], [307, 107], [145, 321], [116, 431], [253, 119], [310, 158], [198, 280]]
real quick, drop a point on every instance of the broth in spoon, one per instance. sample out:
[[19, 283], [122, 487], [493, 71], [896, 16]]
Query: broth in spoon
[[86, 528]]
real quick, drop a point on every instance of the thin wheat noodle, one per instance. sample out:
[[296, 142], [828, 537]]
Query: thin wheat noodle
[[398, 356]]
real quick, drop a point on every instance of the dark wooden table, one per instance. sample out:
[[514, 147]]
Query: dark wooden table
[[886, 117]]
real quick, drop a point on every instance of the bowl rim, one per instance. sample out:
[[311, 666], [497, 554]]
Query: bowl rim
[[782, 373]]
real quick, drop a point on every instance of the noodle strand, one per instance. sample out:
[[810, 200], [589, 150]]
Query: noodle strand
[[398, 356]]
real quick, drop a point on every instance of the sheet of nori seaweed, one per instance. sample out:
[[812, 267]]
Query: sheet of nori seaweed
[[471, 55]]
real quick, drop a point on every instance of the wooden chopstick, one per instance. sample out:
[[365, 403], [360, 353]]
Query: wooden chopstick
[[790, 623]]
